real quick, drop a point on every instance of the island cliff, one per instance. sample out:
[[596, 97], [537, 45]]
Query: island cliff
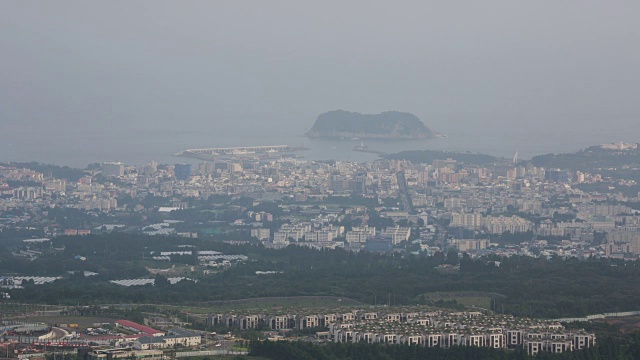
[[394, 125]]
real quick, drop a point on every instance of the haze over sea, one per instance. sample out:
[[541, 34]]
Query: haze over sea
[[139, 146], [136, 81]]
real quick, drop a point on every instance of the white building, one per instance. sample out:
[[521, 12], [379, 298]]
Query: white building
[[175, 338], [360, 234], [261, 234], [398, 234]]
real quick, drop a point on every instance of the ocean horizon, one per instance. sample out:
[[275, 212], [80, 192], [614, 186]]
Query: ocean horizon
[[137, 147]]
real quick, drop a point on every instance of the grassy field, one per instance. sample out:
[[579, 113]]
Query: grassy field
[[239, 348], [626, 324], [236, 357], [82, 321], [466, 298]]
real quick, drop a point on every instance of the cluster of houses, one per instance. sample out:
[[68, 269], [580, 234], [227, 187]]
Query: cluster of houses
[[153, 339], [463, 329], [415, 326]]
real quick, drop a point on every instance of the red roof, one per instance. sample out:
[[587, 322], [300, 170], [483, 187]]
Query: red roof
[[110, 337], [141, 328]]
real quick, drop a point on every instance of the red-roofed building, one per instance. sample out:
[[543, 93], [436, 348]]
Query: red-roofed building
[[139, 328]]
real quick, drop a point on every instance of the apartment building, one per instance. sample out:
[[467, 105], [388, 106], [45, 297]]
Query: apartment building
[[621, 243], [261, 233], [463, 245], [360, 234], [398, 234]]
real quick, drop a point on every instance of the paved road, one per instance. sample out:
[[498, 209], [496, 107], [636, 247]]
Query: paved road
[[403, 193], [209, 353]]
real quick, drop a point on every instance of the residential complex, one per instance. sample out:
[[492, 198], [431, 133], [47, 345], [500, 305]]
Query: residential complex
[[421, 327]]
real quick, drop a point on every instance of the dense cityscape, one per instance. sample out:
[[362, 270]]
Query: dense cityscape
[[386, 205], [459, 210]]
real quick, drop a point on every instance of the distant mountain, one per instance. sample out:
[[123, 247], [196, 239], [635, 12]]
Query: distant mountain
[[394, 125]]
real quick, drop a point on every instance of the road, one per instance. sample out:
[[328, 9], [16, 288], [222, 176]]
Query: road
[[403, 193]]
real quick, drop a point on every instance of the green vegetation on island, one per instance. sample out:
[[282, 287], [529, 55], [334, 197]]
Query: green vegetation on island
[[393, 125], [58, 172], [594, 157]]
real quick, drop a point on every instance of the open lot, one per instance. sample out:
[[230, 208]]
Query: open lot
[[83, 322], [268, 303], [627, 324]]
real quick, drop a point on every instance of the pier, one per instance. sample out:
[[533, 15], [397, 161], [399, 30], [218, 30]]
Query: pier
[[213, 153]]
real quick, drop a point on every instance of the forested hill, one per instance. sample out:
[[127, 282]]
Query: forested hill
[[59, 172], [341, 124], [429, 156], [591, 158], [528, 286]]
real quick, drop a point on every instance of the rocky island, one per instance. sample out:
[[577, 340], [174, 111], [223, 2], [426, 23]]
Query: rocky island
[[392, 125]]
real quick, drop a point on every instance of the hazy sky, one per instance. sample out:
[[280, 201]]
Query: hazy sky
[[476, 66]]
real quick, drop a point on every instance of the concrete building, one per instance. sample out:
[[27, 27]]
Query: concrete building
[[463, 245], [287, 232], [621, 243], [467, 220], [182, 171], [140, 329], [502, 224], [379, 244], [113, 169], [261, 234], [27, 193], [398, 234], [360, 234]]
